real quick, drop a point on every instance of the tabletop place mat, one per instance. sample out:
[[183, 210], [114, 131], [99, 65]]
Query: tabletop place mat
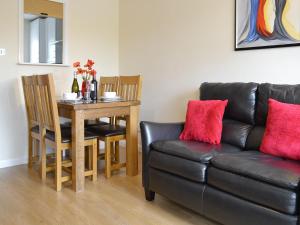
[[101, 100], [72, 102]]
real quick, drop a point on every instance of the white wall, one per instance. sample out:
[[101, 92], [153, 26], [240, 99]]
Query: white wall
[[178, 44], [92, 32]]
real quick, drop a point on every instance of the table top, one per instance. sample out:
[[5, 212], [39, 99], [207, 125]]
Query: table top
[[95, 104]]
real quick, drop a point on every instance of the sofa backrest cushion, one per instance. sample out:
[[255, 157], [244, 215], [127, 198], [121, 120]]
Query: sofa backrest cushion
[[241, 99], [255, 138], [235, 132], [283, 93], [239, 114]]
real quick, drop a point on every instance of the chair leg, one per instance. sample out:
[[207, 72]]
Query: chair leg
[[43, 165], [117, 152], [112, 151], [36, 149], [98, 148], [30, 150], [90, 157], [58, 169], [94, 160], [107, 159]]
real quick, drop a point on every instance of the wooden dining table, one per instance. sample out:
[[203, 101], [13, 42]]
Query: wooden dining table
[[89, 111]]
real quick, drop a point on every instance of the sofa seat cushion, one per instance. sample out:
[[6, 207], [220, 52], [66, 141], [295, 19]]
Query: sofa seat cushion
[[187, 159], [261, 167], [192, 150], [267, 195], [191, 170]]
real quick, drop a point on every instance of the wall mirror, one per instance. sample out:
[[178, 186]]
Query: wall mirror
[[42, 36]]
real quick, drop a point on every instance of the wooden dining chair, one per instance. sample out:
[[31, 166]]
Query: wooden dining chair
[[106, 84], [28, 83], [56, 137], [34, 136], [129, 88]]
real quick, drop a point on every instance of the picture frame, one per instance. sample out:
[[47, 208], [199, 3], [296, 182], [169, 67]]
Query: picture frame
[[261, 24]]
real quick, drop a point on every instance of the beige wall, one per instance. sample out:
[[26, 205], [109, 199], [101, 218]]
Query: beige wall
[[178, 44], [175, 44], [92, 32]]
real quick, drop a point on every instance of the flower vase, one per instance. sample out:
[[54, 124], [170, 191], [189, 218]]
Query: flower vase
[[83, 87], [87, 95]]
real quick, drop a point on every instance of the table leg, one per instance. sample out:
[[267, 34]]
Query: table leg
[[132, 141], [78, 151]]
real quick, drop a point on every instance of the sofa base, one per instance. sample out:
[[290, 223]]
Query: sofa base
[[149, 195], [177, 189], [213, 203], [230, 210]]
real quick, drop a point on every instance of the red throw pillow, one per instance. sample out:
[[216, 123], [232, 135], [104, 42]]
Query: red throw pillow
[[282, 134], [204, 121]]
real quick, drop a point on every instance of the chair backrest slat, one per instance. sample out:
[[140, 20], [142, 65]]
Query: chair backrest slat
[[108, 84], [28, 83], [47, 105], [130, 87]]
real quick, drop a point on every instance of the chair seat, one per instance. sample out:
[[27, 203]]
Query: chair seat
[[266, 180], [187, 159], [36, 129], [107, 130], [66, 135], [88, 123]]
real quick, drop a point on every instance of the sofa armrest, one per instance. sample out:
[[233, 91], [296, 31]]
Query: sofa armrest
[[151, 132]]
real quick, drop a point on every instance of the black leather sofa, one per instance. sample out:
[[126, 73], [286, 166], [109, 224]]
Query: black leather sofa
[[232, 183]]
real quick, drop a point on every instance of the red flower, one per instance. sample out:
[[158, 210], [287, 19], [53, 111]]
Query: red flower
[[89, 63], [80, 71], [93, 72], [76, 64], [85, 71]]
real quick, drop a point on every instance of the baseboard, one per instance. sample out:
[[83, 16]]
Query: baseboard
[[13, 162]]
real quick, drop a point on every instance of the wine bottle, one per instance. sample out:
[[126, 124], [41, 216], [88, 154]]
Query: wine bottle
[[75, 86], [94, 86]]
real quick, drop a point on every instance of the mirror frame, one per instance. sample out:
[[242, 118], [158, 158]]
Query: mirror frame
[[21, 37]]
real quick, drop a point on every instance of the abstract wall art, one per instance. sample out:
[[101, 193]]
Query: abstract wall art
[[267, 23]]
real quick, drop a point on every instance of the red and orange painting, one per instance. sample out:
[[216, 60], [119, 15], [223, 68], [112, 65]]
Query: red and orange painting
[[267, 23]]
